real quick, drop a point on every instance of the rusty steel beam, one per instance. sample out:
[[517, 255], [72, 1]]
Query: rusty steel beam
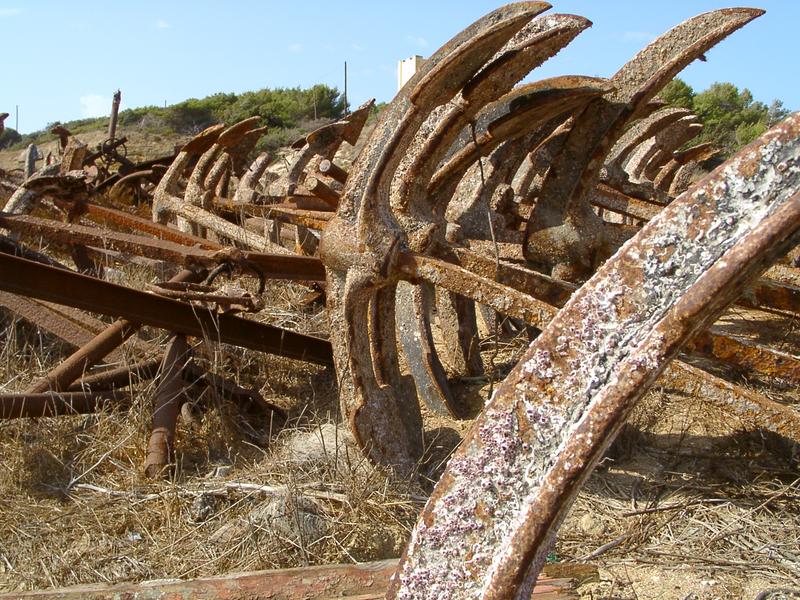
[[296, 201], [322, 191], [9, 246], [51, 404], [772, 295], [85, 357], [306, 218], [608, 198], [119, 377], [24, 277], [451, 277], [538, 285], [271, 266], [489, 524], [746, 354], [106, 214], [746, 405], [101, 345]]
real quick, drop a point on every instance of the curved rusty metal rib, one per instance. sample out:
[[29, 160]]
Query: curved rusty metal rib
[[539, 40], [470, 208], [168, 188], [504, 122], [417, 212], [358, 246], [640, 131], [515, 123], [662, 144], [200, 189], [324, 142], [487, 528], [667, 147], [697, 153], [210, 144], [562, 216], [246, 191]]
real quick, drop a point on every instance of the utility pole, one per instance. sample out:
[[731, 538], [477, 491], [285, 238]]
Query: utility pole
[[345, 88]]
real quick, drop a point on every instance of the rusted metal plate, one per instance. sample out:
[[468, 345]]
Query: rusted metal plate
[[491, 519], [46, 319]]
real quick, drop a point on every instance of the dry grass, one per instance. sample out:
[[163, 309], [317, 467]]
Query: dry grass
[[76, 507], [141, 145], [685, 503]]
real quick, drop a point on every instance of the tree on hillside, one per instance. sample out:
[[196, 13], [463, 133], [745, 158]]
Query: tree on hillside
[[776, 112], [731, 118], [678, 93]]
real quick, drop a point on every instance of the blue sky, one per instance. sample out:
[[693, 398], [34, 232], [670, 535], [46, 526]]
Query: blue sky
[[63, 60]]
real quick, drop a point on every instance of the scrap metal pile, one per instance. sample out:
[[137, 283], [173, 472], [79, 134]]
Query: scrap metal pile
[[569, 206]]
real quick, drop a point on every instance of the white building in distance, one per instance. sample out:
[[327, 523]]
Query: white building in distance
[[406, 69]]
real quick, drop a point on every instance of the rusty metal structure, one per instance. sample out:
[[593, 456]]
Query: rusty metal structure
[[575, 208]]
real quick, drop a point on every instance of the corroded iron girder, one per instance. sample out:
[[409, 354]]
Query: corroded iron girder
[[24, 277]]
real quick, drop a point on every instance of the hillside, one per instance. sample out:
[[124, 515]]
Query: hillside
[[155, 131]]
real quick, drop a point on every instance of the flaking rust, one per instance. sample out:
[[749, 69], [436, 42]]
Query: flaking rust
[[486, 530]]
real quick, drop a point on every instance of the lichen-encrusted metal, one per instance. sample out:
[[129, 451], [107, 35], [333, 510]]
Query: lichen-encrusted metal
[[487, 528]]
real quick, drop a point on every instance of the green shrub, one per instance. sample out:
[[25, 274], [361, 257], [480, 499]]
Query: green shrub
[[9, 137]]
